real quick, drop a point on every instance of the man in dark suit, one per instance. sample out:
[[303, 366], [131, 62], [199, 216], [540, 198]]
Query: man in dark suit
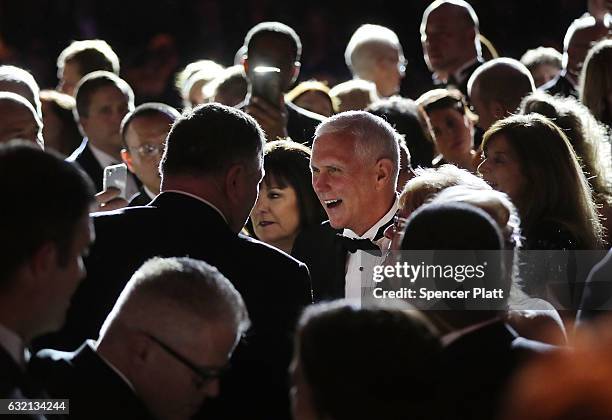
[[143, 133], [480, 351], [102, 100], [211, 169], [161, 350], [451, 45], [273, 44], [580, 36], [355, 164], [40, 254]]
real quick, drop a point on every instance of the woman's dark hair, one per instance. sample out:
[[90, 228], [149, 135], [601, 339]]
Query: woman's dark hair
[[558, 189], [287, 163], [437, 99]]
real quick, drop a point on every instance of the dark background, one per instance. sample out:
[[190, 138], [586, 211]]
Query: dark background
[[33, 32]]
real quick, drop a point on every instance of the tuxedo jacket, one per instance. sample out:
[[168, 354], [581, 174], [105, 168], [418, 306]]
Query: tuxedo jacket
[[16, 383], [140, 199], [95, 390], [88, 162], [560, 85], [476, 369], [321, 249], [274, 286]]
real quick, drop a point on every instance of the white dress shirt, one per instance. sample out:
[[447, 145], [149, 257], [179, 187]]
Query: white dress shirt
[[361, 262]]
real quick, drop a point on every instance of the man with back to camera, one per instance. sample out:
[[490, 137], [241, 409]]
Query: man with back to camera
[[161, 350], [451, 46], [102, 100], [355, 165], [211, 170], [143, 133], [45, 233], [273, 44]]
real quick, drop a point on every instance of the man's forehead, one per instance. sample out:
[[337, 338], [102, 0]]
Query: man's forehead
[[339, 145]]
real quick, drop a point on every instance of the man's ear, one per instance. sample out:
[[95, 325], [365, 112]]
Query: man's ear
[[234, 183], [43, 260], [127, 159], [384, 171], [245, 63], [296, 71]]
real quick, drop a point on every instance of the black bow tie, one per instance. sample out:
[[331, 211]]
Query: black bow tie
[[352, 245]]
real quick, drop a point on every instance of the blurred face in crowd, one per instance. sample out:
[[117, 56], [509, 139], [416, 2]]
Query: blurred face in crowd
[[389, 72], [188, 368], [17, 121], [108, 105], [274, 51], [453, 133], [316, 102], [344, 182], [69, 77], [145, 138], [276, 216], [544, 73], [581, 41], [64, 275], [448, 39], [484, 110], [302, 405], [502, 169]]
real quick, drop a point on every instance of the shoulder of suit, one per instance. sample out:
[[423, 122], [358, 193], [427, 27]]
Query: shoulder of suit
[[304, 112], [266, 251]]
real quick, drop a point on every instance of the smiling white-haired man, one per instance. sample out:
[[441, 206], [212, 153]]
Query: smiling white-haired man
[[355, 164]]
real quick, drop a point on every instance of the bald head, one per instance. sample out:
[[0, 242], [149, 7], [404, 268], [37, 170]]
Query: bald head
[[18, 119], [581, 35], [497, 87], [449, 35]]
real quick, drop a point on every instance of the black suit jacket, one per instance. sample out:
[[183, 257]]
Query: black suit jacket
[[94, 389], [88, 162], [15, 383], [140, 199], [561, 86], [321, 249], [476, 368], [274, 286], [301, 123]]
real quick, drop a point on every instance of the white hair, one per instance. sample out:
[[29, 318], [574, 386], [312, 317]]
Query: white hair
[[366, 46], [374, 138]]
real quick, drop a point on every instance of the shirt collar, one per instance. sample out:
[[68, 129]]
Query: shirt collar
[[148, 192], [103, 158], [371, 233], [14, 345], [460, 73], [200, 199]]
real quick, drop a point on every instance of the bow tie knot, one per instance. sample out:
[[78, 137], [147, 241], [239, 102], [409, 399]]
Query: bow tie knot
[[352, 245]]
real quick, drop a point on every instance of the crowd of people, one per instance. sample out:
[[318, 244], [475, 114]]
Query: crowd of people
[[227, 271]]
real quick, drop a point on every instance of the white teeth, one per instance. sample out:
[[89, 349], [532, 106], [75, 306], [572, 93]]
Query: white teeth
[[328, 202]]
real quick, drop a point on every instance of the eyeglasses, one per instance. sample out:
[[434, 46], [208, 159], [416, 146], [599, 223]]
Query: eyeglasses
[[149, 150], [206, 374]]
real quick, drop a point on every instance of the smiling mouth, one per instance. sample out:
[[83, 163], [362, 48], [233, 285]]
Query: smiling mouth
[[264, 223], [330, 204]]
